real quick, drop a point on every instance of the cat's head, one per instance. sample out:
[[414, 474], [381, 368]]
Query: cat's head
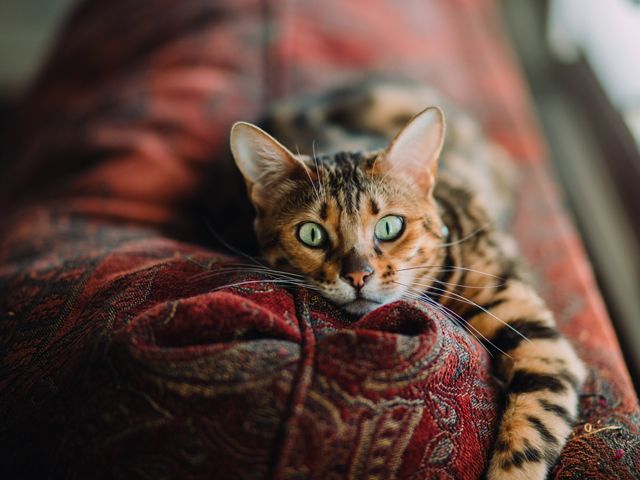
[[360, 227]]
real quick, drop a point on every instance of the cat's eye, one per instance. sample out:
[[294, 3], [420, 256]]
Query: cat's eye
[[389, 228], [312, 235]]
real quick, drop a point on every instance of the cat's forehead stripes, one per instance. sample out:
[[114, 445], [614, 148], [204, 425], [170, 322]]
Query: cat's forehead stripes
[[324, 210], [344, 179]]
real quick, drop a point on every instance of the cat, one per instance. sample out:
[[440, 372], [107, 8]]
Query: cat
[[367, 219]]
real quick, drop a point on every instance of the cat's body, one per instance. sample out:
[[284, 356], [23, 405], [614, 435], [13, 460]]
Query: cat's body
[[367, 225]]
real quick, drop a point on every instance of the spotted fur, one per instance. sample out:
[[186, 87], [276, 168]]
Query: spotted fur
[[450, 253]]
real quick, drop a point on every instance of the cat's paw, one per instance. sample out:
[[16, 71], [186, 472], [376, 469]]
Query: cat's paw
[[518, 465], [533, 430]]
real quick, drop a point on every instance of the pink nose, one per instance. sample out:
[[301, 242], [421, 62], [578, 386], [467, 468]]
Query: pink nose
[[358, 279], [356, 269]]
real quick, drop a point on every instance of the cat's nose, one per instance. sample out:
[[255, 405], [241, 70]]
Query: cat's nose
[[358, 279], [356, 269]]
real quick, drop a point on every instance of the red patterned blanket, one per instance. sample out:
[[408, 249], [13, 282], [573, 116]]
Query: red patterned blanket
[[127, 351]]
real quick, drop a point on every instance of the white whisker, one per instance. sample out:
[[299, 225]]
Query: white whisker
[[231, 271], [450, 315], [272, 281], [261, 269], [230, 247], [451, 284], [466, 237], [459, 320], [440, 268], [313, 185], [460, 298], [320, 180]]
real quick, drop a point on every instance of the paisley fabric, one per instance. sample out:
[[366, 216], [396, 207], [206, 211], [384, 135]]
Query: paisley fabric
[[130, 347], [130, 355]]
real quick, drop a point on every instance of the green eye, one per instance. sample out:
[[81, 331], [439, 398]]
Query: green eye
[[312, 235], [389, 228]]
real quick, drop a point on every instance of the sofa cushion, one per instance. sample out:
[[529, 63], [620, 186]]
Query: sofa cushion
[[130, 351]]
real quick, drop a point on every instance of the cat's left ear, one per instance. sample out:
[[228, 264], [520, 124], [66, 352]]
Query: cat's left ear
[[414, 152], [263, 161]]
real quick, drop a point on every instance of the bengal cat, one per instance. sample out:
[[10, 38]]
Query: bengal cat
[[366, 219]]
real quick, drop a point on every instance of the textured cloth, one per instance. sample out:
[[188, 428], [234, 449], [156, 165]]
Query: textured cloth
[[125, 352]]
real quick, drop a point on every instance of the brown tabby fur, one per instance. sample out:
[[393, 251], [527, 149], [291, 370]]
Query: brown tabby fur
[[468, 268]]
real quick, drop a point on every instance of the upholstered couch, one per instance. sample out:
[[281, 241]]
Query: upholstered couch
[[131, 348]]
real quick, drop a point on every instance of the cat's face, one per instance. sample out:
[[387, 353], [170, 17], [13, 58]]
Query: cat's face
[[360, 227]]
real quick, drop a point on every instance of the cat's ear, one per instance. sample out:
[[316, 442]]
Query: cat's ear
[[414, 152], [263, 161]]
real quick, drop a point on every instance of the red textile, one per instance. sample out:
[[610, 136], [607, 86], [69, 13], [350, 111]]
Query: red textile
[[122, 357]]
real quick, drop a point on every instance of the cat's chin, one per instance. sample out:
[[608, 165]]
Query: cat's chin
[[360, 306]]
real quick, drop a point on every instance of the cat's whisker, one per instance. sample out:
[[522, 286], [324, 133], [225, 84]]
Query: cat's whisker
[[246, 270], [466, 237], [219, 273], [261, 268], [460, 298], [315, 161], [313, 185], [271, 281], [451, 284], [439, 268], [229, 246], [243, 271], [436, 306], [474, 332], [453, 315]]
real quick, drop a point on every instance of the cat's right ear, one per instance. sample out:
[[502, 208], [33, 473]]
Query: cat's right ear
[[263, 161], [414, 152]]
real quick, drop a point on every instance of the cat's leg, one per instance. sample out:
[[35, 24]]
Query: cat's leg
[[543, 376]]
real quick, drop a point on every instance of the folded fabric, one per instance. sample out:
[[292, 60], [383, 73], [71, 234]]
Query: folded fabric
[[178, 364], [127, 351]]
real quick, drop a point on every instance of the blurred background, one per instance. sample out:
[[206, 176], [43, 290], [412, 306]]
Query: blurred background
[[27, 29], [582, 62]]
